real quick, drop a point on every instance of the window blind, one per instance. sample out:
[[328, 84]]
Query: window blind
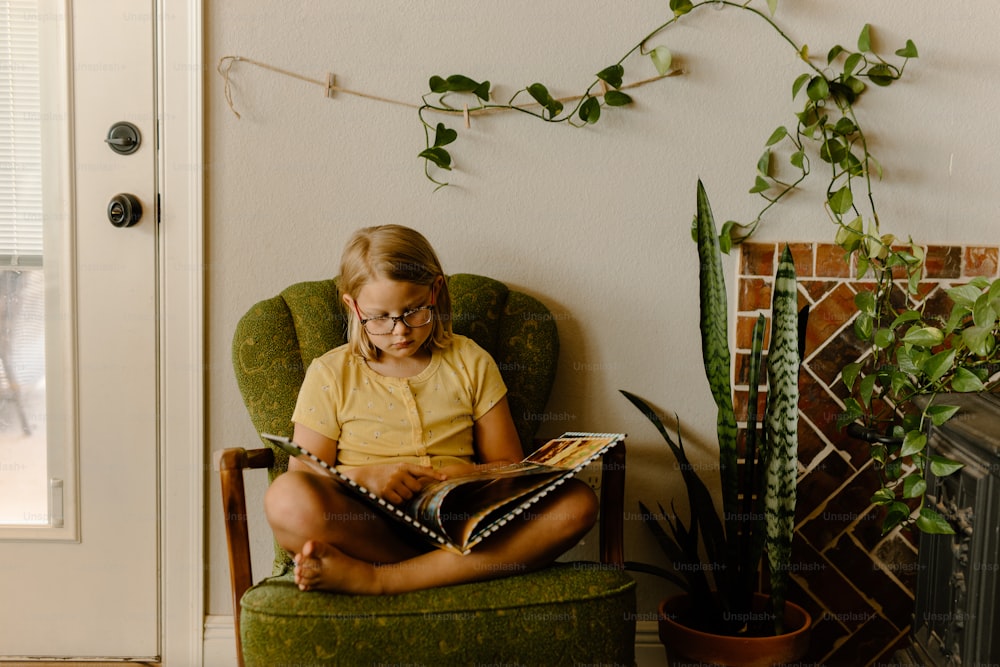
[[20, 135]]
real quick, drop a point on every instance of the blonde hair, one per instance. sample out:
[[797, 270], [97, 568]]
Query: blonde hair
[[392, 252]]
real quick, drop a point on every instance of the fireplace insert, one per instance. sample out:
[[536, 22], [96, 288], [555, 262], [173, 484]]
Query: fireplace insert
[[956, 608]]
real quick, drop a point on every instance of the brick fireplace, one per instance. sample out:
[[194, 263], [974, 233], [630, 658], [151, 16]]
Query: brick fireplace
[[858, 584]]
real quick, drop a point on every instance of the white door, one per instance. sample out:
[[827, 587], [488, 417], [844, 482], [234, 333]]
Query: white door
[[79, 576]]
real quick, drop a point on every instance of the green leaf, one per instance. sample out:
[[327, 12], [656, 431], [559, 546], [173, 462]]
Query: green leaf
[[851, 64], [438, 156], [936, 366], [881, 75], [799, 82], [862, 264], [681, 7], [924, 336], [909, 51], [905, 361], [965, 380], [865, 39], [849, 236], [883, 338], [904, 317], [833, 151], [772, 6], [725, 238], [662, 59], [883, 497], [716, 357], [781, 420], [852, 411], [933, 523], [764, 163], [865, 301], [459, 83], [898, 512], [760, 185], [590, 110], [616, 98], [818, 89], [942, 467], [855, 85], [542, 96], [980, 340], [612, 75], [866, 388], [776, 136], [913, 442], [983, 313], [914, 486], [863, 326], [841, 201], [482, 91], [845, 127], [438, 85], [878, 454], [899, 382], [798, 159], [966, 295], [849, 373], [443, 135], [939, 414]]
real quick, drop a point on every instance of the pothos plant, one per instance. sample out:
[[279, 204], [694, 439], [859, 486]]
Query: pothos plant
[[827, 119], [910, 352]]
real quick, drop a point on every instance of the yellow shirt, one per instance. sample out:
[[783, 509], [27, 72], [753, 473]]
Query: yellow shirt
[[425, 419]]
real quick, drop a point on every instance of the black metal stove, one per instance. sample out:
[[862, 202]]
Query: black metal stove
[[957, 607]]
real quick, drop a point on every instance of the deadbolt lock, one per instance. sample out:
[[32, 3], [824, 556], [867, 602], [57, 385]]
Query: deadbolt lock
[[124, 138]]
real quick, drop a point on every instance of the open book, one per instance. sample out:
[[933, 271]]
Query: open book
[[460, 512]]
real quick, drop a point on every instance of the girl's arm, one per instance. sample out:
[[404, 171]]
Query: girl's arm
[[396, 482], [496, 438], [497, 442], [320, 445]]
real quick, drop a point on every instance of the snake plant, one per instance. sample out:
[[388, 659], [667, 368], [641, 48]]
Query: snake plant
[[759, 505]]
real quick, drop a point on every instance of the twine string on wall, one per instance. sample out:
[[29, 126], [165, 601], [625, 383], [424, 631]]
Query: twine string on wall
[[329, 86]]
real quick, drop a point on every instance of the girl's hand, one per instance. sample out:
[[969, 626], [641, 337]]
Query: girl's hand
[[396, 482]]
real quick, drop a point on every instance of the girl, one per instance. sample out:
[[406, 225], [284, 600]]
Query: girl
[[404, 403]]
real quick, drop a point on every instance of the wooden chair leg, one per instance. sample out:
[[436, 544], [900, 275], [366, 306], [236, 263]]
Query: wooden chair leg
[[231, 463], [613, 506]]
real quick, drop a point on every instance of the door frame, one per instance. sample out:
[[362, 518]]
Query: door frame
[[180, 61]]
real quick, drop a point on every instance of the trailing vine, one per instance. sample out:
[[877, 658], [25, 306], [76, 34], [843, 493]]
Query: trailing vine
[[909, 353], [827, 119]]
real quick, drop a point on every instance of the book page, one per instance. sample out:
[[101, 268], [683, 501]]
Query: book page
[[568, 453]]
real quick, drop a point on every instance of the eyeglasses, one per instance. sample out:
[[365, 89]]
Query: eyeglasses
[[386, 324]]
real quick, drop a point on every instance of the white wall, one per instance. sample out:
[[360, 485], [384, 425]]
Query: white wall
[[593, 221]]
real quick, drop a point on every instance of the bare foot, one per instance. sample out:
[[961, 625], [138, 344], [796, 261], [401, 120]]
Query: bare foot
[[321, 566]]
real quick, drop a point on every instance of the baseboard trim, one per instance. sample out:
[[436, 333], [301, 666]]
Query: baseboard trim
[[648, 649], [220, 643]]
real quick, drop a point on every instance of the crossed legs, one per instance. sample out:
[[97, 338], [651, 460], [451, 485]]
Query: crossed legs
[[340, 544]]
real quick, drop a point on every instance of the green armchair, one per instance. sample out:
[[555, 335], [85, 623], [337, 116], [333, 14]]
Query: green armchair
[[565, 614]]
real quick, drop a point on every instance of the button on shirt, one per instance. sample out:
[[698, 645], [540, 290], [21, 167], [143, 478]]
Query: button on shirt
[[425, 419]]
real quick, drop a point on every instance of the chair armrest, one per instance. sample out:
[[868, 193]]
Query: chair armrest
[[231, 463], [612, 521]]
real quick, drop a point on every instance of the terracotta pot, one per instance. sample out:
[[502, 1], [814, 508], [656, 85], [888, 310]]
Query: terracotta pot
[[685, 646]]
